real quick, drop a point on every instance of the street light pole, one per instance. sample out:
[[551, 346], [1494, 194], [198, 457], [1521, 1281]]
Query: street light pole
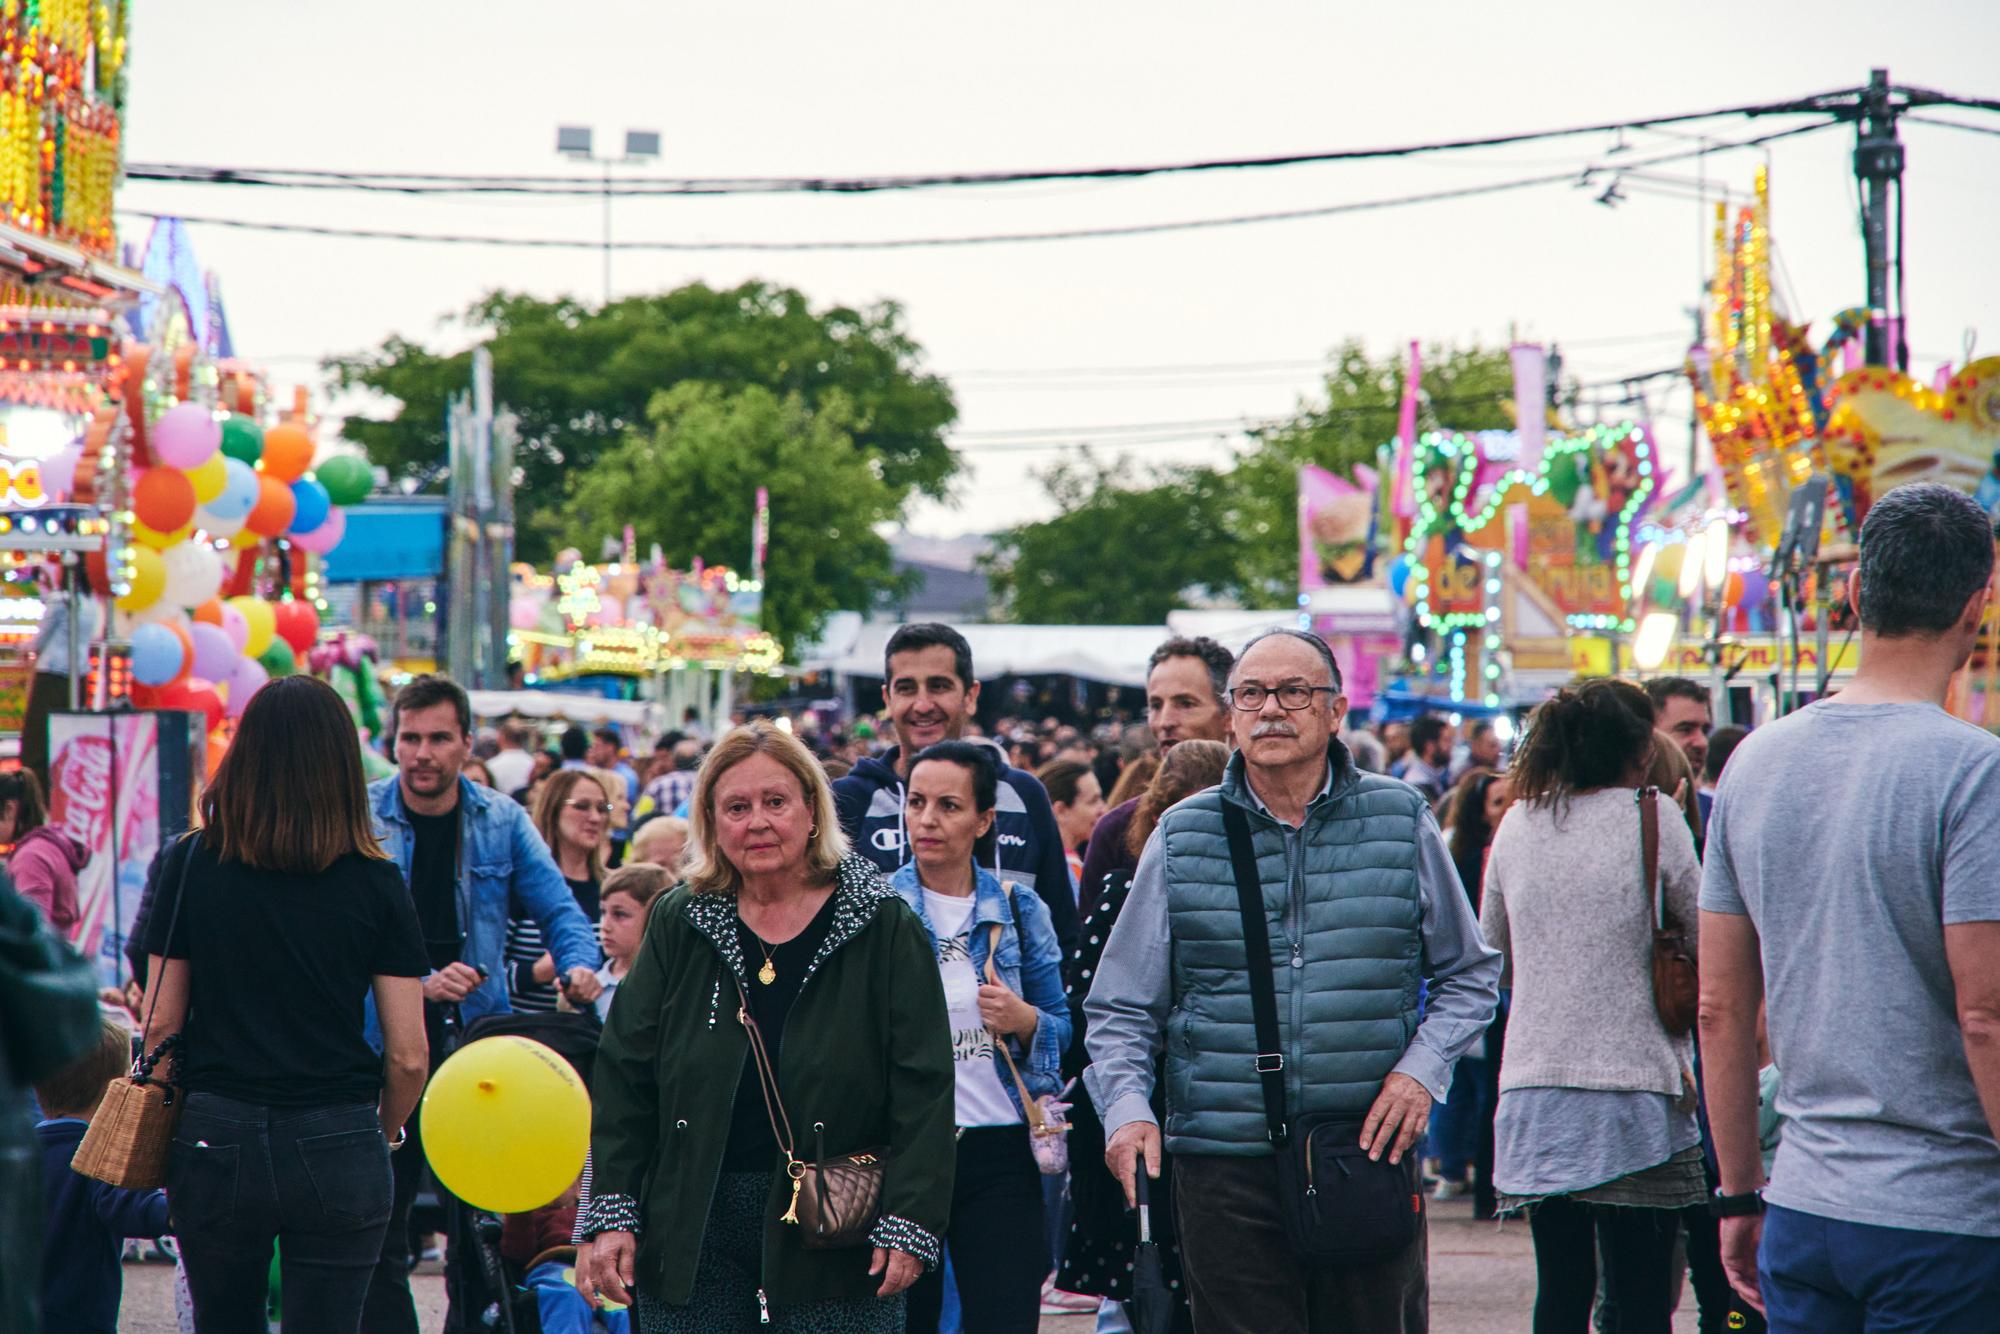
[[575, 142]]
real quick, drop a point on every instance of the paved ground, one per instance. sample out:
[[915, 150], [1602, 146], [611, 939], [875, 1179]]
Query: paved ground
[[1482, 1282]]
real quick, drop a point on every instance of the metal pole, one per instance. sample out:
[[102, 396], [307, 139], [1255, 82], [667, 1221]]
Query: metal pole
[[607, 231], [1878, 163]]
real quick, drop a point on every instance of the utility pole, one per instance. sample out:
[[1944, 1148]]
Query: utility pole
[[574, 142], [1878, 164]]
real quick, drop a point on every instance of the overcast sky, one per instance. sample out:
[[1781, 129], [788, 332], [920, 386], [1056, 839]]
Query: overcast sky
[[769, 89]]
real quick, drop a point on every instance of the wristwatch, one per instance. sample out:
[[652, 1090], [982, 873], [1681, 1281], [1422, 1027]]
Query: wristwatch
[[1736, 1206]]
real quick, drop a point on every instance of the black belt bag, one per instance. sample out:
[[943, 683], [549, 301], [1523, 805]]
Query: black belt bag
[[1337, 1205]]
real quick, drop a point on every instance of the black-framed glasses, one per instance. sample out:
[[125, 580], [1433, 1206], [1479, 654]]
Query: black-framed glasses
[[588, 807], [1292, 696]]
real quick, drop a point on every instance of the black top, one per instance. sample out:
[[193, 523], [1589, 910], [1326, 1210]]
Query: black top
[[586, 896], [434, 883], [751, 1145], [279, 966]]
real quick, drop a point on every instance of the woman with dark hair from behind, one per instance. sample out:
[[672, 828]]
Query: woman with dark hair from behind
[[1595, 1136], [1097, 1254], [270, 926], [45, 860], [1463, 1122]]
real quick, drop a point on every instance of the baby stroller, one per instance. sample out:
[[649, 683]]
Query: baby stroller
[[490, 1292]]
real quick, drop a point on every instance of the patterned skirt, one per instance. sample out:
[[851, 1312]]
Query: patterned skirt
[[727, 1276]]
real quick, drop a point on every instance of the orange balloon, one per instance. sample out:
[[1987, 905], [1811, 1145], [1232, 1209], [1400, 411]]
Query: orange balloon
[[1732, 589], [187, 653], [275, 503], [210, 612], [288, 452], [164, 499]]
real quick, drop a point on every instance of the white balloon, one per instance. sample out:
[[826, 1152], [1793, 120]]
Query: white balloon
[[194, 574], [214, 527]]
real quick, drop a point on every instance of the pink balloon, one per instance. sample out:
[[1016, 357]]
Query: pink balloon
[[235, 627], [244, 681], [59, 471], [185, 435], [215, 656], [326, 537]]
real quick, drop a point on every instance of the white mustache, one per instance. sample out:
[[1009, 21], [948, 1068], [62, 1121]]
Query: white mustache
[[1274, 729]]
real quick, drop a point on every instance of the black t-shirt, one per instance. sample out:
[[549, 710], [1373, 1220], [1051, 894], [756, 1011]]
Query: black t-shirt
[[434, 883], [279, 966], [751, 1145]]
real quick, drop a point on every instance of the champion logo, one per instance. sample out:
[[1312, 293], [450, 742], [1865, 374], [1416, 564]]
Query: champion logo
[[887, 839], [1013, 841]]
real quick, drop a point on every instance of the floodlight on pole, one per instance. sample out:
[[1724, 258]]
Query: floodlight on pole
[[577, 142]]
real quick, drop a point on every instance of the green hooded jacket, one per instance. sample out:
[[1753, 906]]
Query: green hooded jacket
[[866, 1055]]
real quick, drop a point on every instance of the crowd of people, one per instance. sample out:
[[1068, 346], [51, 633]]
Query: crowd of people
[[884, 1027]]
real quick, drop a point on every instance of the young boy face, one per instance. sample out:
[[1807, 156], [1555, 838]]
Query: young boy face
[[623, 925]]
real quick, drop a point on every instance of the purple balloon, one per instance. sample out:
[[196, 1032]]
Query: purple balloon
[[185, 435], [326, 536], [215, 656], [246, 680], [59, 471]]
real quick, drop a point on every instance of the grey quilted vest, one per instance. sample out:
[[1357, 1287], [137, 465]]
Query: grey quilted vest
[[1347, 1000]]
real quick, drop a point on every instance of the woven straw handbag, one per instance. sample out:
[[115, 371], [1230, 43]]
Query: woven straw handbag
[[127, 1142]]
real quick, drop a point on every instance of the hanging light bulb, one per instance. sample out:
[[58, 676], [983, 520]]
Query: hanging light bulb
[[1716, 555], [1691, 570], [1642, 568], [1655, 637]]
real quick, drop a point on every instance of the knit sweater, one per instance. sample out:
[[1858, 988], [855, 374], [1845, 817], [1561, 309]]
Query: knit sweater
[[1563, 901]]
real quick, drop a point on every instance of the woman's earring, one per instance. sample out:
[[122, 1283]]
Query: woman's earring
[[813, 832]]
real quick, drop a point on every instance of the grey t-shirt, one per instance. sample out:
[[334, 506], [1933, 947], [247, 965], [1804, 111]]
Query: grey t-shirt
[[1852, 835]]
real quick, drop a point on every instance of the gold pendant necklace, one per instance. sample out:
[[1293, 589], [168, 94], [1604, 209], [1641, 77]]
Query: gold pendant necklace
[[769, 972]]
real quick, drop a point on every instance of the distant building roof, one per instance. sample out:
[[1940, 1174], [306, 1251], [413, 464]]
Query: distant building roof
[[944, 594]]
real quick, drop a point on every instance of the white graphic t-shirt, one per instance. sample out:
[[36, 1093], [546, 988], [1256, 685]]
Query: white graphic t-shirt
[[982, 1098]]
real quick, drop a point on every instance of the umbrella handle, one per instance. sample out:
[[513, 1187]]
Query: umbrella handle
[[1144, 1201]]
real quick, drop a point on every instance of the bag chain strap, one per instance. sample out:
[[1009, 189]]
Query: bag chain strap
[[774, 1107]]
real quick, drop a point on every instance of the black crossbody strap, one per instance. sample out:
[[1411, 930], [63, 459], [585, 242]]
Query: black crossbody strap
[[1257, 954]]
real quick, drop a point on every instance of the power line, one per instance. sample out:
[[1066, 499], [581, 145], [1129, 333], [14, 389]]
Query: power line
[[941, 242], [417, 183], [1953, 124]]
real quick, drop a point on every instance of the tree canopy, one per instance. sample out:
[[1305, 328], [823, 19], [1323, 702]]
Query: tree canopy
[[1126, 550], [580, 377], [689, 483]]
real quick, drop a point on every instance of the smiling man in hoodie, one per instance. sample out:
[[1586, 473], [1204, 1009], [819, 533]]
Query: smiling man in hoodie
[[930, 691], [45, 861]]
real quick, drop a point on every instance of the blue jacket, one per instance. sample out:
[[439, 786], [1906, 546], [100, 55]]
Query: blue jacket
[[504, 868], [84, 1226], [1029, 961], [870, 801]]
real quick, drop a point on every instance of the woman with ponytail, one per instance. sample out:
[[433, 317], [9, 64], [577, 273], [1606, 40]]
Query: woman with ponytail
[[1595, 1137]]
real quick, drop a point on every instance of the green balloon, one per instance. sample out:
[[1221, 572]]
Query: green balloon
[[347, 479], [278, 660], [242, 438]]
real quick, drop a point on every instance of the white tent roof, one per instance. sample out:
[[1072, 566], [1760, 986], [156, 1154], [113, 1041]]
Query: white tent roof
[[566, 708], [1112, 653]]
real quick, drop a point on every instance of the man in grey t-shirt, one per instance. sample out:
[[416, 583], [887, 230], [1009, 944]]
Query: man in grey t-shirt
[[1855, 856]]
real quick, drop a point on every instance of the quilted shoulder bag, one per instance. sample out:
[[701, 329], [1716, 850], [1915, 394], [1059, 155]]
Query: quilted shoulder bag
[[126, 1144]]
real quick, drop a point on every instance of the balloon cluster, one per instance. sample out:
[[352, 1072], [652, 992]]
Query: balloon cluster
[[217, 484]]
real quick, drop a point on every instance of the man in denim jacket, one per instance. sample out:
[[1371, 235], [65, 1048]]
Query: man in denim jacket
[[472, 858]]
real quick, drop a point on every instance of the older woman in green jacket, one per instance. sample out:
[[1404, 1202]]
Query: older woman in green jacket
[[690, 1192]]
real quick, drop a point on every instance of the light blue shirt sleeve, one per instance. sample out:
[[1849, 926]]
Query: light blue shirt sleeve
[[1464, 970], [1125, 1015]]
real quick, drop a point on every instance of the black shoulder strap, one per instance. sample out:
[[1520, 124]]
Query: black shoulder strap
[[1257, 952]]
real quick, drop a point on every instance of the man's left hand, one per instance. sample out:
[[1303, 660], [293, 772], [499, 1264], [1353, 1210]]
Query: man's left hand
[[1401, 1112], [582, 985]]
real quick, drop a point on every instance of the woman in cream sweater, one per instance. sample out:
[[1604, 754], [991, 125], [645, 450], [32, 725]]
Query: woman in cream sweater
[[1595, 1137]]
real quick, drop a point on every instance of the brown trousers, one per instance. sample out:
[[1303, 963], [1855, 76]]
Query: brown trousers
[[1243, 1279]]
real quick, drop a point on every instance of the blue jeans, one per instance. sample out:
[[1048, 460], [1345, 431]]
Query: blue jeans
[[1823, 1276], [1454, 1130], [242, 1177], [563, 1309]]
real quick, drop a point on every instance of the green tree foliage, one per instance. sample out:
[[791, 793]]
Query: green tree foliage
[[1231, 535], [689, 483], [579, 377]]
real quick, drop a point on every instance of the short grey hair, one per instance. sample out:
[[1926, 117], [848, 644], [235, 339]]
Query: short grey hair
[[1318, 646], [1211, 655]]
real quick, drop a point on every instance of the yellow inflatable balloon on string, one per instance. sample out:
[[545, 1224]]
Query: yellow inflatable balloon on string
[[149, 580], [209, 478], [159, 541], [261, 621], [506, 1123]]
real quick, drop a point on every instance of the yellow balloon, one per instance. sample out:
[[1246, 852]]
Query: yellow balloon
[[209, 479], [506, 1123], [263, 625], [157, 540], [149, 580]]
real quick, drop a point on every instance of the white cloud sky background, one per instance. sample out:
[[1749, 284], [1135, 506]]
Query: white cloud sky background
[[770, 89]]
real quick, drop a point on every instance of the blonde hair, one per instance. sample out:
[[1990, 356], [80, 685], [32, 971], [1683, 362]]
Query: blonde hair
[[707, 870], [556, 790], [661, 825]]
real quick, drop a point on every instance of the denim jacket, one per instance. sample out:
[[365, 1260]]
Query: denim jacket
[[1029, 962], [502, 863]]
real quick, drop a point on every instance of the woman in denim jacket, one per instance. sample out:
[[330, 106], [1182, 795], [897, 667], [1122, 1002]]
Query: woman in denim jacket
[[995, 1233]]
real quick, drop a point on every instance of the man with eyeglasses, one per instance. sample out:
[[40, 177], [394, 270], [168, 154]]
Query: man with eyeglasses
[[466, 851], [1362, 907]]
